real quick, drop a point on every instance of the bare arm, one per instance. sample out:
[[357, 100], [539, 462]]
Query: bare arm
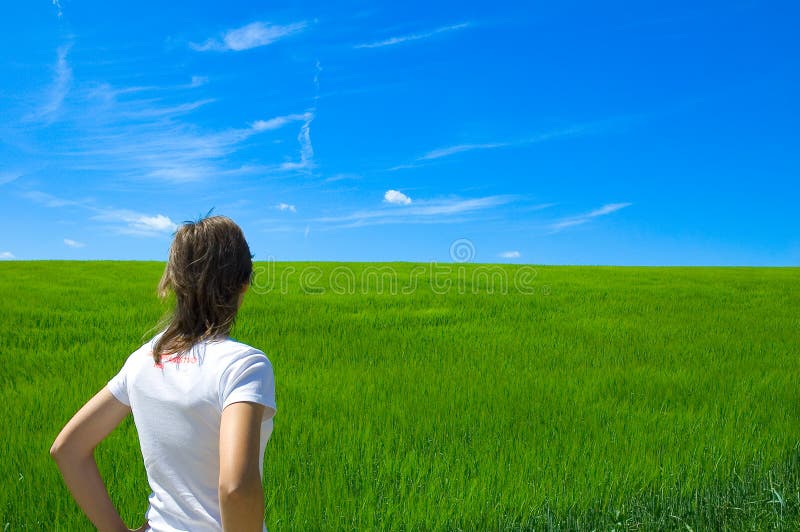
[[73, 452], [241, 495]]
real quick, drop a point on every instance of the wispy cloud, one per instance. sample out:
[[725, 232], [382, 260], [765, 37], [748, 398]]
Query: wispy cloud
[[306, 161], [396, 197], [57, 5], [279, 121], [133, 222], [198, 81], [448, 207], [341, 177], [317, 70], [412, 37], [7, 255], [49, 200], [252, 35], [421, 211], [586, 217], [449, 151], [404, 167], [147, 132], [175, 153], [166, 111], [49, 110], [286, 207], [138, 139], [73, 243], [452, 150], [540, 137], [9, 176], [141, 133], [510, 254]]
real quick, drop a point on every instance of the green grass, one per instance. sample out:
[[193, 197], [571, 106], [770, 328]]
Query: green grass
[[606, 398]]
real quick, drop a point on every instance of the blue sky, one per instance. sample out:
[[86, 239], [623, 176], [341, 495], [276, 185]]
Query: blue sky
[[543, 133]]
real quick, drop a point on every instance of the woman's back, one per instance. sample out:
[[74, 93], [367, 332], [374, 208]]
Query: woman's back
[[203, 417], [177, 408]]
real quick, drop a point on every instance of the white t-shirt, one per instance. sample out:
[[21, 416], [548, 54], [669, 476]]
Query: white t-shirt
[[177, 407]]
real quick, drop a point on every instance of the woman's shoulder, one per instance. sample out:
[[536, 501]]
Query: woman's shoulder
[[230, 357], [235, 349], [141, 355]]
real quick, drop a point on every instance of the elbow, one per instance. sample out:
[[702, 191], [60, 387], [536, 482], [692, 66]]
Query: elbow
[[242, 491], [62, 451], [56, 450]]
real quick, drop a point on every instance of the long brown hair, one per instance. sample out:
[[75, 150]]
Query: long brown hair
[[208, 267]]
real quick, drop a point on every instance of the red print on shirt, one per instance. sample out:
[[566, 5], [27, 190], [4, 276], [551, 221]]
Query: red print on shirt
[[176, 359]]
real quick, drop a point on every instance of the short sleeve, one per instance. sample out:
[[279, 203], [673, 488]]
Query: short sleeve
[[118, 385], [250, 379]]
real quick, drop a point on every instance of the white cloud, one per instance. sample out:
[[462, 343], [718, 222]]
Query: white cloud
[[586, 217], [279, 121], [396, 197], [308, 230], [286, 207], [138, 224], [73, 243], [250, 36], [57, 5], [198, 81], [411, 37], [7, 255], [159, 222], [510, 254]]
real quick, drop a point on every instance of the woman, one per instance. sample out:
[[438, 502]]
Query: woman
[[202, 402]]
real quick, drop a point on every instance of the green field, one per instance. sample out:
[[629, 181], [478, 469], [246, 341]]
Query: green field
[[568, 398]]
